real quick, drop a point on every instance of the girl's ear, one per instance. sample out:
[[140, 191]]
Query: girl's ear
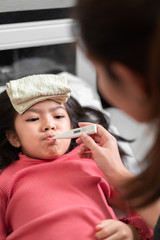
[[13, 138]]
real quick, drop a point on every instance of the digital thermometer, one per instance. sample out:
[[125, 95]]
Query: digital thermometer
[[76, 132]]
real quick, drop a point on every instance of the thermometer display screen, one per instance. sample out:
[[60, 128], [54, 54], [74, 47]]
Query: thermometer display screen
[[77, 131]]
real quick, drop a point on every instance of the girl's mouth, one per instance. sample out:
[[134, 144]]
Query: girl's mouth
[[50, 138]]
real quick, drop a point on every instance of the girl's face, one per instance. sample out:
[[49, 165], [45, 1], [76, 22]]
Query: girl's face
[[36, 127]]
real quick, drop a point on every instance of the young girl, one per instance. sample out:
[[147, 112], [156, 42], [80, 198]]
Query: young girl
[[46, 190]]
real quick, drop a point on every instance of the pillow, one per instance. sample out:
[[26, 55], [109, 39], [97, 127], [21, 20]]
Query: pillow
[[2, 88]]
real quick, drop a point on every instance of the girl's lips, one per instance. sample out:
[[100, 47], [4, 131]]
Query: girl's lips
[[50, 138]]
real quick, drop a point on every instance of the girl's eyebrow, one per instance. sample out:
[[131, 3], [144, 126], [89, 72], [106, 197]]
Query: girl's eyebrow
[[52, 109]]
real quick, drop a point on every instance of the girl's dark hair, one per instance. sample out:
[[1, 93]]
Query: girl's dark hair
[[8, 153], [76, 112], [128, 31]]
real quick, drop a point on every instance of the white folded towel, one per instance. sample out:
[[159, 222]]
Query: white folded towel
[[27, 91]]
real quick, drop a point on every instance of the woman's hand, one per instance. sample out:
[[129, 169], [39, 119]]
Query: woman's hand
[[116, 230], [103, 148]]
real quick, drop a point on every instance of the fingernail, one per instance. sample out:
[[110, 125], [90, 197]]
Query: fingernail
[[100, 225], [84, 135]]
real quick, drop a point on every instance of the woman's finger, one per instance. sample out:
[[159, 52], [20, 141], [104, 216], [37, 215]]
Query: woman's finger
[[102, 137], [100, 129], [89, 142], [106, 155], [105, 229]]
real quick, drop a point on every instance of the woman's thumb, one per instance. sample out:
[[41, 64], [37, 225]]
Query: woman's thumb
[[88, 142]]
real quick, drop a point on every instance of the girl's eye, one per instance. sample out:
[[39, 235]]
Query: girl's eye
[[59, 116], [32, 119]]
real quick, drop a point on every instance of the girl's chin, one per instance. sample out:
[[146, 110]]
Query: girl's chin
[[51, 157]]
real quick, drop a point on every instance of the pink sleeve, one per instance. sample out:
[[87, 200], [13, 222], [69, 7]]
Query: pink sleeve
[[3, 232], [145, 232]]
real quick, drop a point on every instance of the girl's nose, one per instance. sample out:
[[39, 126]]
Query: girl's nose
[[49, 128], [49, 125]]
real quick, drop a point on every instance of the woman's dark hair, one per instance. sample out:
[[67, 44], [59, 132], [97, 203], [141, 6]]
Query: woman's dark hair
[[127, 31], [76, 112], [118, 30]]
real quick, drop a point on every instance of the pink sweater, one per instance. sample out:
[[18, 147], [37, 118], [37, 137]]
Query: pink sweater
[[56, 199]]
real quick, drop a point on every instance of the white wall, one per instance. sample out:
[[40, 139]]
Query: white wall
[[22, 5]]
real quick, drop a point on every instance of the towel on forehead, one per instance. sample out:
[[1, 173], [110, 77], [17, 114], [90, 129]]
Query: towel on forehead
[[27, 91]]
